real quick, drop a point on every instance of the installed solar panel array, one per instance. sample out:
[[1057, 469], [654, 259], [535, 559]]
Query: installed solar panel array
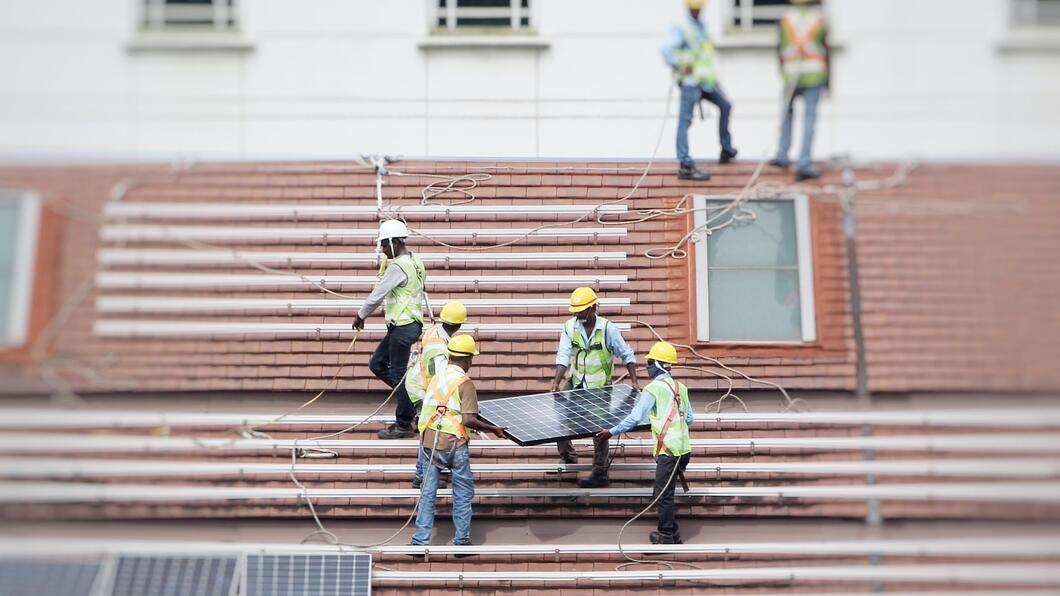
[[174, 576], [572, 414], [308, 575], [39, 577]]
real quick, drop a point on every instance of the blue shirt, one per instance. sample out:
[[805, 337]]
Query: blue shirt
[[640, 411], [675, 40], [612, 339]]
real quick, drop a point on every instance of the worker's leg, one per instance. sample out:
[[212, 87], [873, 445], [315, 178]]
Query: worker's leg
[[567, 454], [810, 99], [784, 144], [600, 456], [400, 345], [421, 462], [425, 514], [463, 492], [665, 480], [717, 97], [379, 363], [689, 97]]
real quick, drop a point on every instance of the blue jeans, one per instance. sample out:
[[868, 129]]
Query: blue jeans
[[810, 97], [389, 362], [459, 461], [421, 462], [689, 98]]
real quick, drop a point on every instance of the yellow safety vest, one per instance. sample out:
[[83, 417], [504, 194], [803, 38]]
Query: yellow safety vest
[[590, 361], [441, 405], [697, 53], [667, 417], [432, 345], [802, 50], [404, 304]]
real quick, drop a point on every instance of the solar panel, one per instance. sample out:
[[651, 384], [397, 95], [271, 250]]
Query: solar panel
[[571, 414], [38, 577], [348, 574], [174, 576]]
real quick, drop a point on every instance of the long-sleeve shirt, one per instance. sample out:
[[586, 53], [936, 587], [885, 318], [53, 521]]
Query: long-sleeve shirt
[[675, 40], [640, 412], [394, 277], [612, 339]]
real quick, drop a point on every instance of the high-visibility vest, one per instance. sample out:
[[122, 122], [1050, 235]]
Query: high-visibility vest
[[404, 304], [802, 49], [590, 361], [432, 345], [698, 53], [441, 404], [667, 416]]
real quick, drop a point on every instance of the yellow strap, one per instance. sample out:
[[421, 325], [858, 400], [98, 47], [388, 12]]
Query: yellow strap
[[660, 443]]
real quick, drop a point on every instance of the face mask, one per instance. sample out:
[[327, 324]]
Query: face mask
[[654, 370]]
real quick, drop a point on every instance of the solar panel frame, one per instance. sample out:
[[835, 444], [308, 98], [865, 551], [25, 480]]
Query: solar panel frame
[[330, 574], [44, 576], [177, 574], [560, 415]]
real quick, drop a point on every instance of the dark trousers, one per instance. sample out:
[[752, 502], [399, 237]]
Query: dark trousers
[[389, 362], [690, 97], [666, 482], [600, 448]]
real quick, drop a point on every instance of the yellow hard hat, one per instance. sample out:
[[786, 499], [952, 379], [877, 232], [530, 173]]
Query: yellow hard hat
[[663, 352], [581, 299], [462, 345], [695, 3], [454, 313]]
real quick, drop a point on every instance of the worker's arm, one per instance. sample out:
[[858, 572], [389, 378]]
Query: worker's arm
[[673, 42], [469, 412], [827, 59], [640, 410], [689, 416], [393, 278], [562, 359], [618, 346]]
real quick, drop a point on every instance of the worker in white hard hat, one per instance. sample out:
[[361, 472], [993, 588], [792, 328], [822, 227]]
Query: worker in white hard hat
[[588, 345], [664, 403], [430, 358], [401, 281], [690, 53]]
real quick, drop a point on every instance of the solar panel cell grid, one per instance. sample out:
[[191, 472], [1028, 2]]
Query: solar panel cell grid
[[22, 577], [572, 414], [173, 576], [347, 574]]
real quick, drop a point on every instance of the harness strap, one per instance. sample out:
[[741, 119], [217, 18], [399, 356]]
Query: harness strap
[[443, 411], [799, 42], [660, 442]]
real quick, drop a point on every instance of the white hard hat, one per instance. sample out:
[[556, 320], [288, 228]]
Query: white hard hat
[[392, 228]]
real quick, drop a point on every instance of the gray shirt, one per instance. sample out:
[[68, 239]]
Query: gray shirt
[[394, 277]]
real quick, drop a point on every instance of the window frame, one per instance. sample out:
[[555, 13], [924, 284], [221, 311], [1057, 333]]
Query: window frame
[[804, 257], [24, 268], [1025, 15], [451, 13], [734, 18], [225, 16]]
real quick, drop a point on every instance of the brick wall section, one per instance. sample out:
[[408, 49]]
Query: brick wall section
[[956, 276]]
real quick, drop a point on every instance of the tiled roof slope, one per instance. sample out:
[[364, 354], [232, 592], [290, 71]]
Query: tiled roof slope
[[956, 271]]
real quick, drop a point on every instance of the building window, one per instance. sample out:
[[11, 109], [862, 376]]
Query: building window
[[19, 226], [750, 14], [1030, 13], [214, 14], [492, 14], [754, 274]]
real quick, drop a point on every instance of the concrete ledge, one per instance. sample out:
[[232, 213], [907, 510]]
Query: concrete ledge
[[189, 41], [495, 42], [1031, 41]]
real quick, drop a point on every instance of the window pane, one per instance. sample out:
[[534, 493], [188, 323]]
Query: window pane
[[484, 3], [767, 241], [754, 305], [483, 22], [9, 217]]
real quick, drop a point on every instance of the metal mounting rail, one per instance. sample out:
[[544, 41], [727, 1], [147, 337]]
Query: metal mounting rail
[[274, 235], [145, 279], [190, 211], [86, 443], [73, 492], [85, 468], [170, 304], [127, 328], [124, 256]]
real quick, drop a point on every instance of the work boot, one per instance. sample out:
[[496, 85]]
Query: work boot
[[807, 174], [568, 459], [692, 173], [660, 538], [417, 556], [727, 155], [780, 163], [418, 482], [594, 481], [396, 431], [463, 555]]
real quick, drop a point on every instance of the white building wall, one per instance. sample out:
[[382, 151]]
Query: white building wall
[[937, 79]]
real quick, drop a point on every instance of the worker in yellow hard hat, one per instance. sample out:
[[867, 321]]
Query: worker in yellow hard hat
[[400, 285], [450, 407], [430, 358], [664, 402], [689, 51], [587, 346]]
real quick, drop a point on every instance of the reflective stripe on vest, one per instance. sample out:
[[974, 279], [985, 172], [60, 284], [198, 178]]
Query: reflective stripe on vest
[[698, 53], [421, 372], [802, 48], [590, 360], [404, 304], [441, 405], [667, 417]]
